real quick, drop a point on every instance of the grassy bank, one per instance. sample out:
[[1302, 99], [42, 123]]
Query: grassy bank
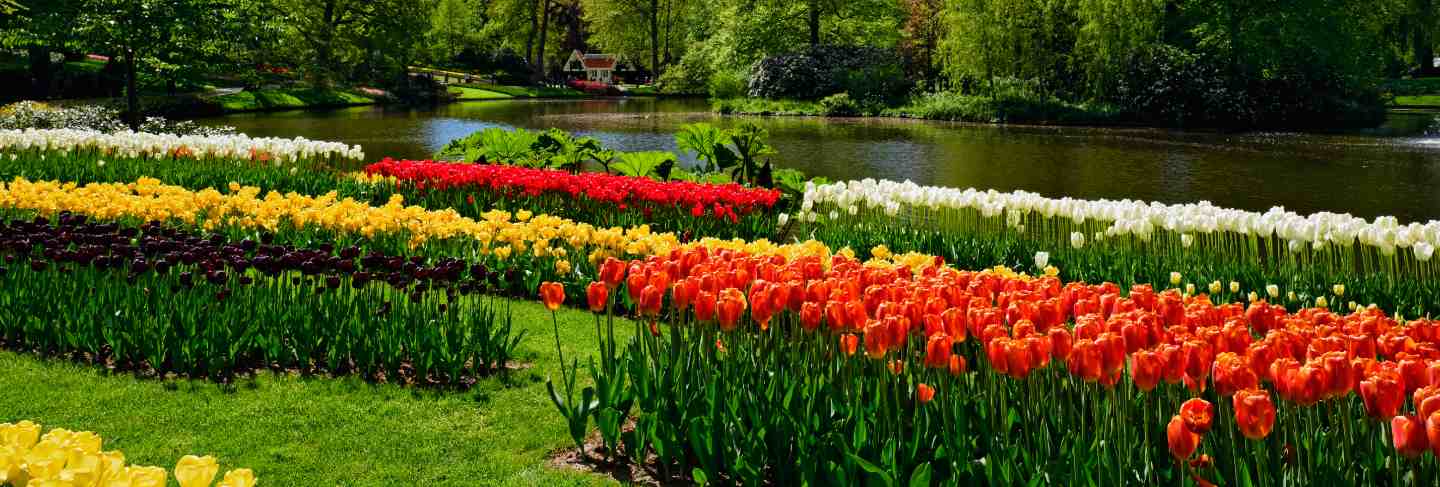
[[323, 431], [289, 98], [939, 106], [524, 91], [463, 93]]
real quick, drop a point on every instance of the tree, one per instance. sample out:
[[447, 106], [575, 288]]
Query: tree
[[325, 28], [40, 27], [613, 23]]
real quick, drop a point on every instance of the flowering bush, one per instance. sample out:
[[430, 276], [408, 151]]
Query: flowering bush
[[603, 199], [74, 458], [903, 368], [36, 115], [1382, 261]]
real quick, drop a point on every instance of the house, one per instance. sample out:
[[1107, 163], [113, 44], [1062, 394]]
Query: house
[[597, 67]]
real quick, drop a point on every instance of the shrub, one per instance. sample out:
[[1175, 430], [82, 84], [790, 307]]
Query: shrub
[[100, 118], [1167, 85], [867, 74], [726, 84], [840, 105]]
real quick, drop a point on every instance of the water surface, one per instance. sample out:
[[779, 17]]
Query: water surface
[[1391, 170]]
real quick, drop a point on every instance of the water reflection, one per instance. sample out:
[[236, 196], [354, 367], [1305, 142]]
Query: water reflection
[[1389, 170]]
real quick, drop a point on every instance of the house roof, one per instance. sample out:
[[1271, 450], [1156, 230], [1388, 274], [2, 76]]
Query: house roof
[[597, 61]]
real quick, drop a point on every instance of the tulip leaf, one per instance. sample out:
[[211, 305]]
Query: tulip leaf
[[872, 469], [921, 476]]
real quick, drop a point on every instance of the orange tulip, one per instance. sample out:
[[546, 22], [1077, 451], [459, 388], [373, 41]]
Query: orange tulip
[[937, 351], [1182, 441], [1383, 393], [810, 316], [1254, 413], [612, 272], [704, 305], [957, 365], [552, 294], [897, 366], [634, 285], [1198, 414], [729, 306], [683, 293], [598, 295], [924, 393], [1407, 433], [849, 343], [1145, 369], [1432, 432], [1427, 400], [1232, 373]]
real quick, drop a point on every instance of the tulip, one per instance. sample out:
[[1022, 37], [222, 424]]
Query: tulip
[[1198, 415], [924, 393], [937, 351], [1432, 432], [705, 304], [1383, 393], [810, 316], [193, 471], [1181, 439], [1407, 434], [1254, 413], [552, 294], [241, 477], [1145, 369], [957, 365], [612, 272], [1234, 287], [1175, 278], [849, 343], [651, 299], [729, 306], [598, 295]]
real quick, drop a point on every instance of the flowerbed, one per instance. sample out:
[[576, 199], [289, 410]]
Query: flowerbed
[[717, 210], [808, 371], [64, 458], [287, 152], [158, 300], [1304, 257]]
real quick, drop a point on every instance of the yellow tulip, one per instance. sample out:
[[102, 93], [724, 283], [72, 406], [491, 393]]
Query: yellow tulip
[[241, 477], [193, 471], [22, 435]]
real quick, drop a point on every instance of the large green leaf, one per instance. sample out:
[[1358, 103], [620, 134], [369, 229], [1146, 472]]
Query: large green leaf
[[645, 164]]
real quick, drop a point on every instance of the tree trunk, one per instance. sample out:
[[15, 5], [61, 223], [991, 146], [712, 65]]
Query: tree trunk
[[544, 33], [40, 71], [323, 51], [654, 40], [530, 36], [814, 6], [1423, 43], [132, 96]]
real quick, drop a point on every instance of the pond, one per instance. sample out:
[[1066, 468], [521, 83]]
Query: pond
[[1390, 170]]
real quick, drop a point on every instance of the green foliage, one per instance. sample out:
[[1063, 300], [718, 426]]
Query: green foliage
[[1012, 105], [652, 164], [495, 145]]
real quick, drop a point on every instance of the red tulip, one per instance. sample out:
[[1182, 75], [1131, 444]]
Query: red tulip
[[1426, 400], [1182, 441], [1232, 373], [1383, 393], [1254, 413], [651, 299], [1198, 415], [552, 294], [612, 272], [683, 293], [810, 316], [924, 393], [598, 295], [1145, 369], [1407, 433]]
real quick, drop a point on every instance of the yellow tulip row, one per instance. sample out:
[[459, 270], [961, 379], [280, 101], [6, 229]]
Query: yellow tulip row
[[498, 233], [64, 458]]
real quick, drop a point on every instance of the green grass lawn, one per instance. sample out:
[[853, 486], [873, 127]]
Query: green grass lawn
[[289, 98], [324, 431], [526, 91], [466, 93], [1418, 101]]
